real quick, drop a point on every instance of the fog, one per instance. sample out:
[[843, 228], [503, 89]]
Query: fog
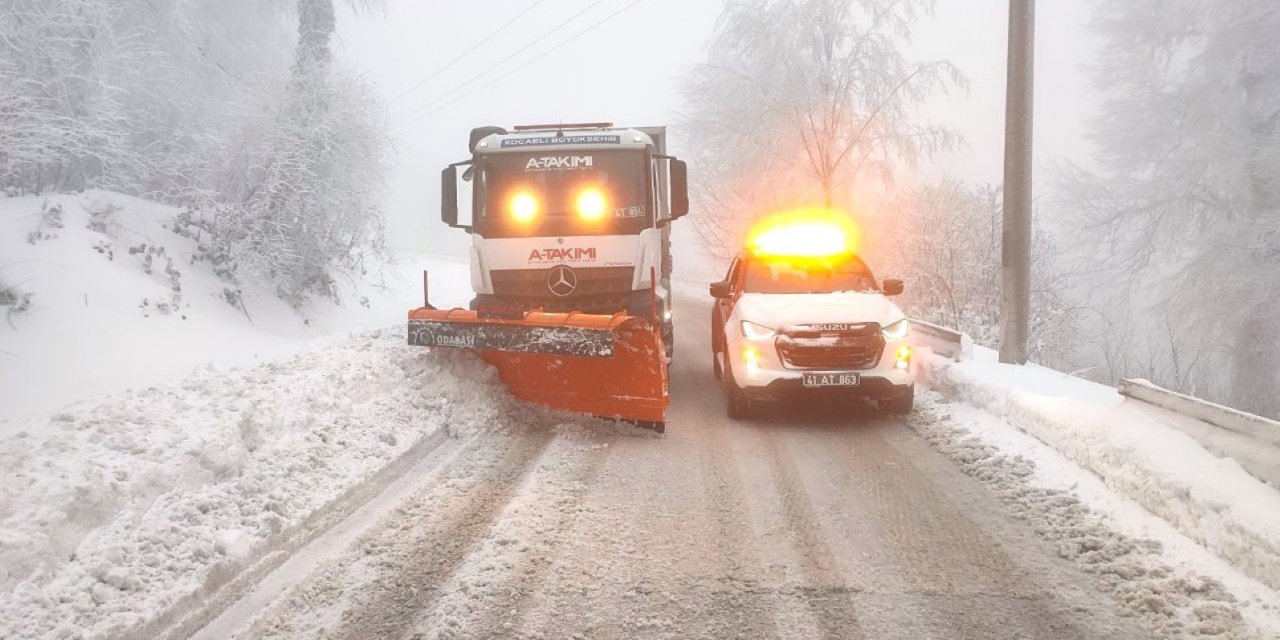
[[624, 71], [627, 71], [301, 138]]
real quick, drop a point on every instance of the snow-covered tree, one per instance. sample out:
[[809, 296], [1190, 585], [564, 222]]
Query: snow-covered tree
[[805, 102], [63, 122], [1184, 206], [214, 104], [307, 187], [946, 245]]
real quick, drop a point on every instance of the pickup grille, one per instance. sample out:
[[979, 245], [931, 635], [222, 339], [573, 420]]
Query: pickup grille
[[847, 348]]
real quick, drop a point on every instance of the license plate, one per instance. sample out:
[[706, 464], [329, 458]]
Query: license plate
[[831, 379]]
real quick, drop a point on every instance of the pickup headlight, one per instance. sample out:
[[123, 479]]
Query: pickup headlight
[[753, 331], [897, 330]]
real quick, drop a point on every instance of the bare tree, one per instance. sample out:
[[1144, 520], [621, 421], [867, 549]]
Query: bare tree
[[946, 245], [802, 102], [1185, 206]]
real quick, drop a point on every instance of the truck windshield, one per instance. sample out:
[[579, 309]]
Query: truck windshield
[[563, 193], [778, 276]]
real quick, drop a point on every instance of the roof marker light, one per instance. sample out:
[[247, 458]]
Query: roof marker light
[[812, 233]]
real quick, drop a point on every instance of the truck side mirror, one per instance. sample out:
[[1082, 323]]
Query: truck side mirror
[[721, 290], [893, 287], [679, 188], [449, 196]]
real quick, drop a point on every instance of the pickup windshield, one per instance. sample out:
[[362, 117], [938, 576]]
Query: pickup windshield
[[541, 193], [773, 276]]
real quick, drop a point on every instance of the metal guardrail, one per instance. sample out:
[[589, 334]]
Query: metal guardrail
[[1256, 427], [957, 346], [945, 342]]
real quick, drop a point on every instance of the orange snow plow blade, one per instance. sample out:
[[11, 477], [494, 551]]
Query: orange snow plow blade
[[605, 366]]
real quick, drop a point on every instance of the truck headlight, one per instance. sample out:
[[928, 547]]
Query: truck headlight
[[753, 331], [897, 330], [591, 204], [524, 207]]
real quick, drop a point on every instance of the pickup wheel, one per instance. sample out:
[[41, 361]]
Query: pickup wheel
[[900, 405], [737, 404]]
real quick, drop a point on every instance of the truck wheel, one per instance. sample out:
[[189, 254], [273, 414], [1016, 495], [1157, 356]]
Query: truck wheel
[[900, 405], [737, 404], [657, 427]]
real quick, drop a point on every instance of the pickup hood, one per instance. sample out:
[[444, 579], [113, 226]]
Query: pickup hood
[[780, 310]]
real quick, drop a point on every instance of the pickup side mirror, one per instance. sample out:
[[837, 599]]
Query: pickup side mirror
[[449, 196], [893, 287], [720, 290], [679, 188]]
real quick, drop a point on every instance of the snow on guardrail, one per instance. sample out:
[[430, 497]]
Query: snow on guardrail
[[943, 341], [1215, 414], [1210, 499]]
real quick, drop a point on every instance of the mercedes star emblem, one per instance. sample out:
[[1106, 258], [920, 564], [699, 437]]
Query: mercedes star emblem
[[562, 281]]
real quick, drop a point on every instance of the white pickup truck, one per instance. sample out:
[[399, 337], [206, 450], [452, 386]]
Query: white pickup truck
[[785, 326]]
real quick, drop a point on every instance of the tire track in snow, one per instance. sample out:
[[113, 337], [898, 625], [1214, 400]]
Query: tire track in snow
[[511, 563], [727, 501], [387, 611], [907, 509], [374, 589], [913, 540], [826, 592]]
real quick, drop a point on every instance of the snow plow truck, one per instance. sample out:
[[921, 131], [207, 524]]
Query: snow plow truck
[[570, 264]]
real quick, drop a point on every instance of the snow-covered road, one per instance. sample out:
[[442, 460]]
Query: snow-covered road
[[826, 523]]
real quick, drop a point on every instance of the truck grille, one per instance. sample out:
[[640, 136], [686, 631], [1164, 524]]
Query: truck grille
[[599, 290], [844, 348]]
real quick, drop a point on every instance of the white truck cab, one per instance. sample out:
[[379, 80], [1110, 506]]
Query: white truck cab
[[783, 326], [570, 218]]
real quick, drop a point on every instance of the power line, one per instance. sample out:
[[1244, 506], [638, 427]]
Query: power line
[[430, 110], [503, 61], [464, 54]]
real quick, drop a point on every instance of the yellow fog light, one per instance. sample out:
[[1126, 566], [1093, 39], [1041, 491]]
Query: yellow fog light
[[751, 358], [903, 357]]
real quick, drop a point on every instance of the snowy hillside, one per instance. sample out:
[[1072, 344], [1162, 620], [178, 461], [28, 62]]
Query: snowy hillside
[[105, 291]]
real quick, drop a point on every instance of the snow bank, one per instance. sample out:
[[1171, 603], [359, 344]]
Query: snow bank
[[112, 514], [1177, 587], [116, 294], [1212, 500]]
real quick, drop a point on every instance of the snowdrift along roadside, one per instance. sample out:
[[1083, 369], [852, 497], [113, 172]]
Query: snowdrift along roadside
[[1177, 587], [113, 513], [1211, 500]]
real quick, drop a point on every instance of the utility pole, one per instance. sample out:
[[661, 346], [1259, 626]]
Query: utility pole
[[1015, 256]]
